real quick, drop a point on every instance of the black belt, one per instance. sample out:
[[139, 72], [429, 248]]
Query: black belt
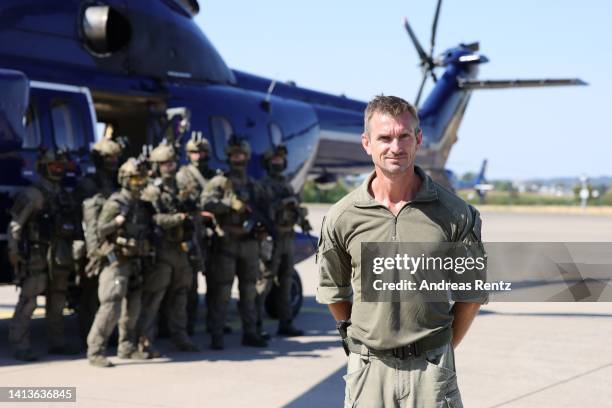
[[415, 349]]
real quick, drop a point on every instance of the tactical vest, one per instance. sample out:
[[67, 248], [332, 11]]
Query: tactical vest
[[284, 215], [133, 238], [170, 204], [55, 227], [244, 190]]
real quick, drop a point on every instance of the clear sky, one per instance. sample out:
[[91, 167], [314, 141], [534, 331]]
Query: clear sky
[[361, 49]]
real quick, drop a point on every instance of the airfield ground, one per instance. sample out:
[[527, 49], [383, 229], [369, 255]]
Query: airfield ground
[[516, 354]]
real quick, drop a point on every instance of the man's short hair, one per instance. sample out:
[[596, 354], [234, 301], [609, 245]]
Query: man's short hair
[[390, 105]]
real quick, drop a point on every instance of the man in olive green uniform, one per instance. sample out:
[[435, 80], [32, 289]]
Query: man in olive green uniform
[[125, 228], [191, 180], [40, 237], [93, 190], [236, 200], [401, 353], [172, 271], [285, 213]]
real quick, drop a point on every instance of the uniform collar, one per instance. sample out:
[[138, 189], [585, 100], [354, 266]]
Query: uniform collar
[[426, 193]]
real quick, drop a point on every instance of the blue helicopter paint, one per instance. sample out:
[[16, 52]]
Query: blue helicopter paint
[[126, 62]]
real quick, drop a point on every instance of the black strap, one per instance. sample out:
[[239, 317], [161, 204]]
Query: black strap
[[408, 351]]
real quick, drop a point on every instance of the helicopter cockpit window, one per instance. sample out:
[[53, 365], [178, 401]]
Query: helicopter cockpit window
[[67, 127], [276, 134], [32, 126], [221, 130]]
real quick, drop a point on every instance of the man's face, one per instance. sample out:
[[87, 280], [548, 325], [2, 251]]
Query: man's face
[[392, 142], [277, 160], [238, 160], [167, 168], [197, 156], [238, 157]]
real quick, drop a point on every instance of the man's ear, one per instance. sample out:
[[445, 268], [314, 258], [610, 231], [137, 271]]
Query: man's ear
[[365, 143], [419, 137]]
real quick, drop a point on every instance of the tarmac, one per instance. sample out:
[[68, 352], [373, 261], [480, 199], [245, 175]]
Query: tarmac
[[515, 355]]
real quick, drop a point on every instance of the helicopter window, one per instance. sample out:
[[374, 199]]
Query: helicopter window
[[221, 130], [276, 134], [32, 127], [67, 127]]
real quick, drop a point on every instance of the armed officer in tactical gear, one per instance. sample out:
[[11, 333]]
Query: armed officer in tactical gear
[[125, 228], [172, 271], [93, 190], [191, 180], [43, 226], [285, 213], [235, 199]]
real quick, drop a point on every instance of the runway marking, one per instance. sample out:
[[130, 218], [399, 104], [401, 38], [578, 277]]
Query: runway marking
[[552, 385]]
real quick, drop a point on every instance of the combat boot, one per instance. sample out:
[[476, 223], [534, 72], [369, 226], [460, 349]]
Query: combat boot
[[100, 361], [216, 342], [253, 340], [287, 329], [25, 355], [260, 330], [132, 353], [145, 346], [184, 344]]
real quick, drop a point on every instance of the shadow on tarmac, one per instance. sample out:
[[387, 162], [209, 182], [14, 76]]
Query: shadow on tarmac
[[327, 393], [314, 319]]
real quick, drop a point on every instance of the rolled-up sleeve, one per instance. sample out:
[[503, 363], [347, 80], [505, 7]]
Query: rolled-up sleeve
[[470, 246], [334, 268]]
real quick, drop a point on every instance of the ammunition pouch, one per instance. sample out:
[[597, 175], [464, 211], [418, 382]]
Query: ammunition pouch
[[175, 234], [131, 247]]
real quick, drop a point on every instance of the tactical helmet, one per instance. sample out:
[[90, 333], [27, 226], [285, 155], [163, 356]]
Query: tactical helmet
[[52, 164], [107, 147], [198, 144], [279, 150], [132, 175], [238, 146], [162, 153]]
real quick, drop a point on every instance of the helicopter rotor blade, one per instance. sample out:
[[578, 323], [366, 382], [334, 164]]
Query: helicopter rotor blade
[[517, 83], [433, 76], [418, 97], [422, 55], [434, 28]]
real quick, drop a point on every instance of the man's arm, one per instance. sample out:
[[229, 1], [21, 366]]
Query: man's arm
[[341, 310], [334, 288], [464, 314]]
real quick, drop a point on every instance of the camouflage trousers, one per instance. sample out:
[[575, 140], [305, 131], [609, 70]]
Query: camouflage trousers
[[427, 381], [172, 273], [233, 257], [37, 283], [119, 293], [279, 271], [88, 304]]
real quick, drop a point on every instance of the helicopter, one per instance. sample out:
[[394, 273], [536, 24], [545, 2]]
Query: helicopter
[[76, 68]]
